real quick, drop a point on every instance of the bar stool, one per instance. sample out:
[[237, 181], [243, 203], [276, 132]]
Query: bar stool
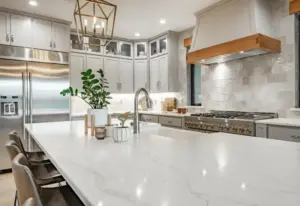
[[33, 157], [28, 188]]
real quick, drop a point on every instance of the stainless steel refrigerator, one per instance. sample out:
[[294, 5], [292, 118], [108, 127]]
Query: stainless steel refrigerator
[[29, 91]]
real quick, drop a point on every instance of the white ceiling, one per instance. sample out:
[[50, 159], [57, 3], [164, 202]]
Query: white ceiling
[[132, 16]]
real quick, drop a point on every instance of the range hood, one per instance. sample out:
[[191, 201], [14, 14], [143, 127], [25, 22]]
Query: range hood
[[233, 29]]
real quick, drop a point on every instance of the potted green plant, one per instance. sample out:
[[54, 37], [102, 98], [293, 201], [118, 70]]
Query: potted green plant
[[94, 93], [122, 133]]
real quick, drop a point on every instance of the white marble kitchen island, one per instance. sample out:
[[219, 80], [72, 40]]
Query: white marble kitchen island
[[170, 167]]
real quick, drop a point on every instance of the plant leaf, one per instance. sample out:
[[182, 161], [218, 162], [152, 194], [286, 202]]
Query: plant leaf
[[94, 81], [84, 78], [89, 72], [92, 76]]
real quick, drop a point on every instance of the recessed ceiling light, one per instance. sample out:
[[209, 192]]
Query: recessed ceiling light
[[242, 52], [162, 21], [137, 34], [33, 3]]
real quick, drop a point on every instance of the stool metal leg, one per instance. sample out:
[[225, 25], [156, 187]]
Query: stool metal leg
[[16, 197]]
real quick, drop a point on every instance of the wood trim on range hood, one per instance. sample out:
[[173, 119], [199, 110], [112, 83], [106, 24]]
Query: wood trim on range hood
[[294, 6], [188, 42], [236, 49]]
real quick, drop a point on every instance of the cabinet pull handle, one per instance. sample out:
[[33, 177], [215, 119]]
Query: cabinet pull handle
[[7, 37], [12, 38], [50, 44], [120, 86], [54, 44]]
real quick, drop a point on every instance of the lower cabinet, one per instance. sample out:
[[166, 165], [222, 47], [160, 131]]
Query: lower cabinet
[[175, 122], [278, 132]]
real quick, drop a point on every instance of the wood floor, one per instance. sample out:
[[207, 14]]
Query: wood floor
[[7, 189]]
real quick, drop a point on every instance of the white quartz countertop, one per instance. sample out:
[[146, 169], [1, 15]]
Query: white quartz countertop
[[170, 167], [160, 113], [292, 122]]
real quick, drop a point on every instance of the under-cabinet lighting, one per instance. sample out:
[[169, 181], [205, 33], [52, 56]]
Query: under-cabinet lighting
[[242, 52], [137, 34], [203, 60], [33, 3]]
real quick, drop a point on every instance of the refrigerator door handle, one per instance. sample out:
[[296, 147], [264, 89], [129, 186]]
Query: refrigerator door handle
[[24, 100], [30, 98]]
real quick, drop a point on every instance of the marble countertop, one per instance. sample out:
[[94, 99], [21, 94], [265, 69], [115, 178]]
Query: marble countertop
[[170, 167], [160, 113], [292, 122]]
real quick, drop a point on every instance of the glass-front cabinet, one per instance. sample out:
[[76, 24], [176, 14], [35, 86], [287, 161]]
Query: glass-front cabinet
[[88, 44], [140, 50], [159, 46], [111, 48], [125, 49]]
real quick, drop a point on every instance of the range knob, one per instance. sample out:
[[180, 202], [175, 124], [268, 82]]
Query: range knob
[[241, 129]]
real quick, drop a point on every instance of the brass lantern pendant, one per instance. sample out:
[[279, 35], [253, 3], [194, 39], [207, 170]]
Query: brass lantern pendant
[[95, 19]]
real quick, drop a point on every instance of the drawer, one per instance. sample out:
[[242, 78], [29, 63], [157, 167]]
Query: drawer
[[170, 121], [284, 133], [261, 130], [149, 118]]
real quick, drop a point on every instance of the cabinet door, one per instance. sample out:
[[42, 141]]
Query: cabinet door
[[140, 50], [95, 63], [126, 76], [4, 28], [163, 83], [140, 74], [41, 31], [111, 72], [154, 75], [61, 37], [20, 30], [125, 49], [77, 65]]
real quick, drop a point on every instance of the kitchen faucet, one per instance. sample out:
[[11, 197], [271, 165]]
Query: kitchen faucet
[[136, 126]]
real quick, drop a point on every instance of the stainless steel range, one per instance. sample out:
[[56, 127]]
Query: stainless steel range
[[226, 121]]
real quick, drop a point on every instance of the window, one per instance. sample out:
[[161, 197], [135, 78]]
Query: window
[[196, 85]]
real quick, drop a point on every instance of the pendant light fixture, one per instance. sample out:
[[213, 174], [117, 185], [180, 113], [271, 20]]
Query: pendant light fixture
[[95, 19]]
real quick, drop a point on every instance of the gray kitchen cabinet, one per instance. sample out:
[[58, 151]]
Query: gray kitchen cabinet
[[95, 63], [170, 121], [4, 28], [164, 63], [77, 65], [20, 31], [41, 34], [140, 74], [159, 74], [291, 134], [149, 118], [279, 132], [111, 71], [125, 76], [60, 37]]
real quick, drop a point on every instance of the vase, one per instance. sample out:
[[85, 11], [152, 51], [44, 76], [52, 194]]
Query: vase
[[121, 134], [100, 117]]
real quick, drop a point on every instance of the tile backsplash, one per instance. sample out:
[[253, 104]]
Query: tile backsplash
[[122, 102]]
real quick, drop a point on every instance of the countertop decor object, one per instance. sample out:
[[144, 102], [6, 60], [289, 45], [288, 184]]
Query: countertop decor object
[[95, 94], [100, 132], [122, 133]]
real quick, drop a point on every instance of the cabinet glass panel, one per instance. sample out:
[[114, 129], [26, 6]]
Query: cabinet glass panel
[[111, 48], [125, 49], [141, 50], [154, 48], [94, 45], [75, 42], [163, 45]]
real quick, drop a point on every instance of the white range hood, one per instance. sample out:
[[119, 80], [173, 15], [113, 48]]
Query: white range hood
[[233, 29]]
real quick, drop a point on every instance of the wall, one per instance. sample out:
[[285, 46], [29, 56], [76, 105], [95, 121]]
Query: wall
[[263, 83]]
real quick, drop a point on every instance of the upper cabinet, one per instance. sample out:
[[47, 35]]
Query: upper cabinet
[[24, 31], [126, 49], [4, 28], [159, 46], [60, 37], [116, 48], [140, 50]]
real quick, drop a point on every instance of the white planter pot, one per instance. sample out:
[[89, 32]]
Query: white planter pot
[[100, 116], [121, 134]]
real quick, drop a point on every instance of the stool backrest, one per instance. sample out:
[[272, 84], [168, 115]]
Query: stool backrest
[[24, 180], [12, 149], [15, 137]]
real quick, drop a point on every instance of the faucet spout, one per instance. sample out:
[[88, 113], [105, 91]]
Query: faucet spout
[[136, 126]]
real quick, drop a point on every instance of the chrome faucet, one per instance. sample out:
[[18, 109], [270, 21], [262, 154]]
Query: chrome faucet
[[136, 126]]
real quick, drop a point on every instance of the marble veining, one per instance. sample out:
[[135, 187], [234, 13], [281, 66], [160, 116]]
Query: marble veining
[[170, 167]]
